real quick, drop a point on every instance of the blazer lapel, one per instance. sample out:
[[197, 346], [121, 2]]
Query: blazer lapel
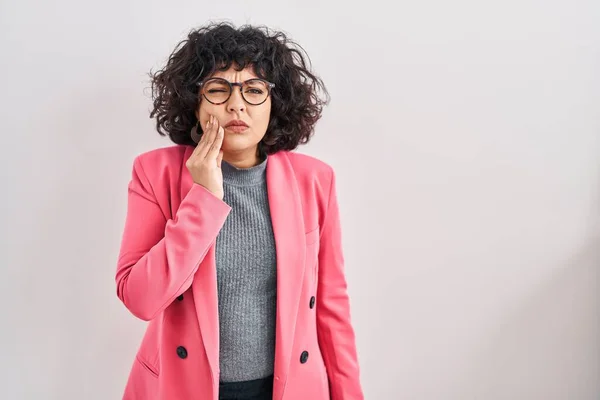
[[204, 288], [288, 227]]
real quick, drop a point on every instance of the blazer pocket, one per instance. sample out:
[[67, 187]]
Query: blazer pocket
[[146, 365], [312, 236]]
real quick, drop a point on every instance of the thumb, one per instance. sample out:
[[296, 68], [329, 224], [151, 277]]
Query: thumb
[[219, 158]]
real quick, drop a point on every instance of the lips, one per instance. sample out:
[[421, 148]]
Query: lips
[[236, 128], [237, 123]]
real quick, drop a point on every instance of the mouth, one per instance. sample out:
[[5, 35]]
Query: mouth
[[236, 122], [236, 125], [236, 128]]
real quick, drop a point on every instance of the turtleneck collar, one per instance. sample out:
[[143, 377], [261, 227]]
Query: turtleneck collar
[[244, 176]]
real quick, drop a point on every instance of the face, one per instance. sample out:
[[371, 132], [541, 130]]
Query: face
[[237, 142]]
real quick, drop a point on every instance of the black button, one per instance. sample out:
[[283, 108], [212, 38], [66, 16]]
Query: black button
[[180, 297], [312, 302], [181, 352], [304, 357]]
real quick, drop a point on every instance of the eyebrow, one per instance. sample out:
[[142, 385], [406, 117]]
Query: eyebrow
[[249, 79]]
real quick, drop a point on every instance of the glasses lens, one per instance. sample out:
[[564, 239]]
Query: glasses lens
[[255, 91], [216, 90]]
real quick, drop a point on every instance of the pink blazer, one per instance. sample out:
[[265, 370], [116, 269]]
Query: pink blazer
[[166, 274]]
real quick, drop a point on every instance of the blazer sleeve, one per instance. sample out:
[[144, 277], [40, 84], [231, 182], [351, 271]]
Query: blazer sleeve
[[334, 329], [158, 257]]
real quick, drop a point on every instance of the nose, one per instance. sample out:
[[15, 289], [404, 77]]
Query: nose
[[236, 101]]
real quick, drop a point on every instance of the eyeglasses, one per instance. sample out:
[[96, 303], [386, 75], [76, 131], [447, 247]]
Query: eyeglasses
[[218, 90]]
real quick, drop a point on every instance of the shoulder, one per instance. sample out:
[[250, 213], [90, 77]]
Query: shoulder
[[160, 167], [306, 166], [315, 177], [170, 155]]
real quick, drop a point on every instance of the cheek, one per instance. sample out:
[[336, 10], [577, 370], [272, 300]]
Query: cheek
[[265, 115], [262, 123], [205, 110], [265, 120]]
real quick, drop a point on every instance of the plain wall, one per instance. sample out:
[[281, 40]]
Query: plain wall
[[466, 140]]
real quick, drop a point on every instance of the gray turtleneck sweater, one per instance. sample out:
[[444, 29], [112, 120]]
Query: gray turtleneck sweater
[[246, 276]]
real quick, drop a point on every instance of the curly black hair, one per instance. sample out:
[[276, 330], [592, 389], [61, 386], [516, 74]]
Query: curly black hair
[[297, 99]]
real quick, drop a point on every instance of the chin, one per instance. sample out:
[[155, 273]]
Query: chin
[[235, 144]]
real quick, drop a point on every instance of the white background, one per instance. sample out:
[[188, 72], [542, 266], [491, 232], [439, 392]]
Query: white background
[[466, 140]]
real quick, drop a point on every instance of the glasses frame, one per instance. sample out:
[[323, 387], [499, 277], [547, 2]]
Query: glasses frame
[[270, 86]]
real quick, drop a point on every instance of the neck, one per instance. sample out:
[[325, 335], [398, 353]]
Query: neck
[[243, 159]]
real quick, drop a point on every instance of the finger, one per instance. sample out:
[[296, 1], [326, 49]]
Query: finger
[[210, 138], [216, 145], [212, 135], [202, 142], [219, 158]]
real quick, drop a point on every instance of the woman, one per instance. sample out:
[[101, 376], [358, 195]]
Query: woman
[[232, 243]]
